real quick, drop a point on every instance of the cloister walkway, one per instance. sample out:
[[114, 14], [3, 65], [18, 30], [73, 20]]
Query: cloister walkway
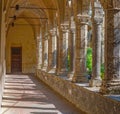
[[24, 94]]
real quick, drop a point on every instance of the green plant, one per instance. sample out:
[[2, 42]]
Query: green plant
[[89, 60], [68, 62], [102, 70], [89, 63]]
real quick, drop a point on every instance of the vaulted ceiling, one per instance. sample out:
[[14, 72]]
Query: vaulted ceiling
[[36, 12], [33, 12]]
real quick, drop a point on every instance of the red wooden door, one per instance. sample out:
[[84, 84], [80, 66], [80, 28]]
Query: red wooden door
[[16, 59]]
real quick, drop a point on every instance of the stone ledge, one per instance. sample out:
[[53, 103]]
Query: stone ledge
[[86, 100]]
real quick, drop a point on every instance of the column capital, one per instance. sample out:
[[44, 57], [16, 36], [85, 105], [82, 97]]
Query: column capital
[[83, 19], [53, 32], [65, 27], [98, 13], [38, 39], [98, 20], [73, 26]]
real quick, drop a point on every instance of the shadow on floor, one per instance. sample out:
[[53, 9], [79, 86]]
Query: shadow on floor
[[26, 93]]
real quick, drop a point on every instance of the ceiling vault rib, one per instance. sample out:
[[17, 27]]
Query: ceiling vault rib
[[17, 7], [13, 24], [14, 17]]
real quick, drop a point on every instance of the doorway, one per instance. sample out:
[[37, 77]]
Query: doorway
[[16, 59]]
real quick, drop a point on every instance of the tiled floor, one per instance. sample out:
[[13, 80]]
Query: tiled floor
[[24, 94]]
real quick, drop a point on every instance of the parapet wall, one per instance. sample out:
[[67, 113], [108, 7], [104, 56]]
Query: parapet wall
[[86, 100]]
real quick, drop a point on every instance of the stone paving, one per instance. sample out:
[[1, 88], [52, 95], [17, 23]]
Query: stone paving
[[24, 94]]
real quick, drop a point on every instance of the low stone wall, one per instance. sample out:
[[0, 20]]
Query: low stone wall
[[86, 100], [2, 76]]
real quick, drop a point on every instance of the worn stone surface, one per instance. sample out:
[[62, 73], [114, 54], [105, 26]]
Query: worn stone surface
[[111, 82], [88, 101], [97, 21]]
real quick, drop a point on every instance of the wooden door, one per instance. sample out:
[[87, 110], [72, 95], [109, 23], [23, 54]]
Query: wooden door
[[16, 59]]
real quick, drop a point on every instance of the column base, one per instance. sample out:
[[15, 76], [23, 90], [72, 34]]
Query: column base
[[110, 87], [95, 82], [52, 70], [79, 78], [70, 75], [44, 68]]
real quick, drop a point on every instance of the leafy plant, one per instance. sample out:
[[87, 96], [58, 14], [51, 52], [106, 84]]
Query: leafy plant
[[102, 70], [89, 60]]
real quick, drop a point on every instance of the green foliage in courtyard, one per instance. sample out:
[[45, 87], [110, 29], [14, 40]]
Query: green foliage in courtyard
[[102, 71], [89, 60], [89, 63], [68, 62]]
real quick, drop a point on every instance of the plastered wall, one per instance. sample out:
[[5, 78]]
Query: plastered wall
[[22, 36]]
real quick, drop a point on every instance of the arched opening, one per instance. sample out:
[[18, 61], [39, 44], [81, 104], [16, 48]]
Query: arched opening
[[20, 38]]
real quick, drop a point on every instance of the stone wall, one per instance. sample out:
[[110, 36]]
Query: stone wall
[[86, 100]]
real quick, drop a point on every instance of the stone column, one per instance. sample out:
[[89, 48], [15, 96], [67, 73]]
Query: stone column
[[65, 33], [49, 52], [45, 45], [39, 53], [111, 82], [59, 51], [54, 49], [42, 51], [102, 42], [97, 21], [96, 53], [80, 49], [71, 49], [42, 42]]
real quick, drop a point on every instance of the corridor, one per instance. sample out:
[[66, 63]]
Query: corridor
[[24, 94]]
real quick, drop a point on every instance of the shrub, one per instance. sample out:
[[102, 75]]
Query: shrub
[[102, 70], [89, 60]]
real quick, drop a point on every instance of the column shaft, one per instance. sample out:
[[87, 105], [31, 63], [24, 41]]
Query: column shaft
[[111, 82], [97, 20], [49, 53], [96, 55], [54, 49], [71, 51], [59, 51], [39, 53], [45, 62], [43, 52], [80, 52], [65, 34]]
